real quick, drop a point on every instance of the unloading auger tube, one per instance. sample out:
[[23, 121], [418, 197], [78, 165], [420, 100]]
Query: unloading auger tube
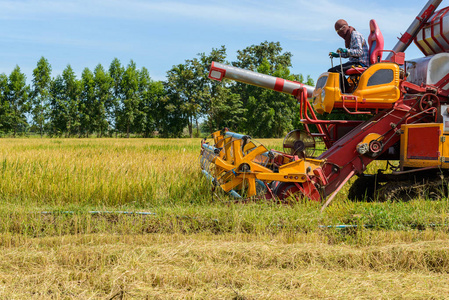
[[417, 24], [219, 71]]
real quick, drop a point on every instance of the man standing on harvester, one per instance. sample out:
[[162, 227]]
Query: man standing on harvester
[[356, 50]]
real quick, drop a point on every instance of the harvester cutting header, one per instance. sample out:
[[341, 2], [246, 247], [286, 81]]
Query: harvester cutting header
[[406, 99]]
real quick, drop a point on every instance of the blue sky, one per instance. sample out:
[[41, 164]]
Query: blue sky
[[160, 34]]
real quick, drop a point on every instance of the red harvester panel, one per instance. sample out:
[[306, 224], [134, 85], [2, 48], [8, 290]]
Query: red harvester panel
[[423, 143]]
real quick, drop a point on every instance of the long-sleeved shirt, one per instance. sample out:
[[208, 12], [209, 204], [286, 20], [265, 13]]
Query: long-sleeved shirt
[[358, 52]]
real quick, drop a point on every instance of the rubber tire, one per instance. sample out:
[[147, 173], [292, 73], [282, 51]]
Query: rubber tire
[[363, 189], [286, 189]]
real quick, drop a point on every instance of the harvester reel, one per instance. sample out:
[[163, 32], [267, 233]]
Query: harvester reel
[[299, 142], [236, 162], [428, 101]]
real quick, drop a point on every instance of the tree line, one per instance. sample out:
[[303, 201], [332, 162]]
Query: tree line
[[124, 100]]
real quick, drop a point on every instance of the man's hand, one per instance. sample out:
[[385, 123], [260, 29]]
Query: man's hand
[[333, 54], [342, 50]]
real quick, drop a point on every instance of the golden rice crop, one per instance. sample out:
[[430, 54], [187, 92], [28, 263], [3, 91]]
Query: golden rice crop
[[98, 171], [163, 175]]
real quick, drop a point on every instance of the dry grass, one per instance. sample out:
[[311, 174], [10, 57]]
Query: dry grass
[[219, 267], [196, 247]]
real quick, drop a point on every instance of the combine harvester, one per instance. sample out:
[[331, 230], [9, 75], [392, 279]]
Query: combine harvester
[[408, 104]]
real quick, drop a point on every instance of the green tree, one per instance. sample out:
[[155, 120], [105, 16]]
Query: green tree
[[272, 113], [116, 71], [269, 113], [192, 96], [40, 94], [172, 119], [183, 93], [58, 108], [225, 110], [153, 99], [167, 120], [5, 125], [129, 107], [253, 56], [72, 93], [87, 103], [65, 99], [189, 89], [150, 93], [219, 106], [103, 99], [18, 92]]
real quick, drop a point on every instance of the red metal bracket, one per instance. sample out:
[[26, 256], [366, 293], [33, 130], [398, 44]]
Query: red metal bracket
[[427, 13], [405, 38], [415, 88], [397, 57], [356, 112], [443, 81]]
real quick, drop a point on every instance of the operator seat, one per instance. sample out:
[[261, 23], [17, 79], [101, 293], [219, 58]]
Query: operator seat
[[375, 42], [376, 46]]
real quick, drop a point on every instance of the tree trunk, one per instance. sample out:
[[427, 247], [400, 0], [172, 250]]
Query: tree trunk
[[190, 130], [197, 128], [68, 129], [190, 127]]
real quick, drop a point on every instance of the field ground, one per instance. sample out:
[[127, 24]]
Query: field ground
[[195, 245]]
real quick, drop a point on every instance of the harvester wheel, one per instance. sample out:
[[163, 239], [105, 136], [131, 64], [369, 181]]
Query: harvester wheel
[[287, 190], [363, 188], [408, 190], [429, 100], [400, 190]]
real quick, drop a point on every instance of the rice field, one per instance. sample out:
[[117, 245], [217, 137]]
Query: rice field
[[62, 236]]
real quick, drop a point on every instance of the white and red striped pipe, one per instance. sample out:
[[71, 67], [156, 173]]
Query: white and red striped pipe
[[415, 27], [219, 71]]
